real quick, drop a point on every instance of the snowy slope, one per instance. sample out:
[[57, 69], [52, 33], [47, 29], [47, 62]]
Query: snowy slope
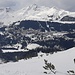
[[63, 62], [33, 12], [6, 15]]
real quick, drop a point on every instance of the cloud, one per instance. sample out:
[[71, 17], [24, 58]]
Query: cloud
[[68, 4], [17, 4]]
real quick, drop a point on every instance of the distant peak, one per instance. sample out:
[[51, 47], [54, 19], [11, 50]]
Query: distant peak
[[8, 9], [1, 9], [55, 8], [34, 6]]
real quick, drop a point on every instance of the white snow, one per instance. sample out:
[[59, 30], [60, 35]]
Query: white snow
[[59, 33], [31, 46], [1, 33], [17, 46], [21, 50], [17, 23], [63, 62], [34, 12]]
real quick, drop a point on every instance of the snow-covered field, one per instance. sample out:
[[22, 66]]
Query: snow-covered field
[[63, 62]]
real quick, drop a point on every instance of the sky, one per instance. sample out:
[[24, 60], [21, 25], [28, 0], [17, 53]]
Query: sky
[[18, 4]]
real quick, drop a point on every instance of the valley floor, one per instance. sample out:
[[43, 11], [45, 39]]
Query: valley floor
[[63, 62]]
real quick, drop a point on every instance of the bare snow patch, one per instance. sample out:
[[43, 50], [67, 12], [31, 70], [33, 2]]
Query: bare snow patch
[[32, 46]]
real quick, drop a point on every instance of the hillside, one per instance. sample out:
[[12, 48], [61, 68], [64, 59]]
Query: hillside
[[63, 62], [50, 36]]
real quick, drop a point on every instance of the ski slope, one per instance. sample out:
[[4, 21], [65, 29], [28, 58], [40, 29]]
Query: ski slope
[[63, 62]]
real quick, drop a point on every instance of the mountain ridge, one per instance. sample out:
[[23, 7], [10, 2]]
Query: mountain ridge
[[34, 12]]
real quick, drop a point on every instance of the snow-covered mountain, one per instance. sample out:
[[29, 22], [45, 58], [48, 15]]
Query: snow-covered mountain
[[34, 12], [35, 32]]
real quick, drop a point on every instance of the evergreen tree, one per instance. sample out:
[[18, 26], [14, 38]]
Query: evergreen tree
[[49, 66]]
